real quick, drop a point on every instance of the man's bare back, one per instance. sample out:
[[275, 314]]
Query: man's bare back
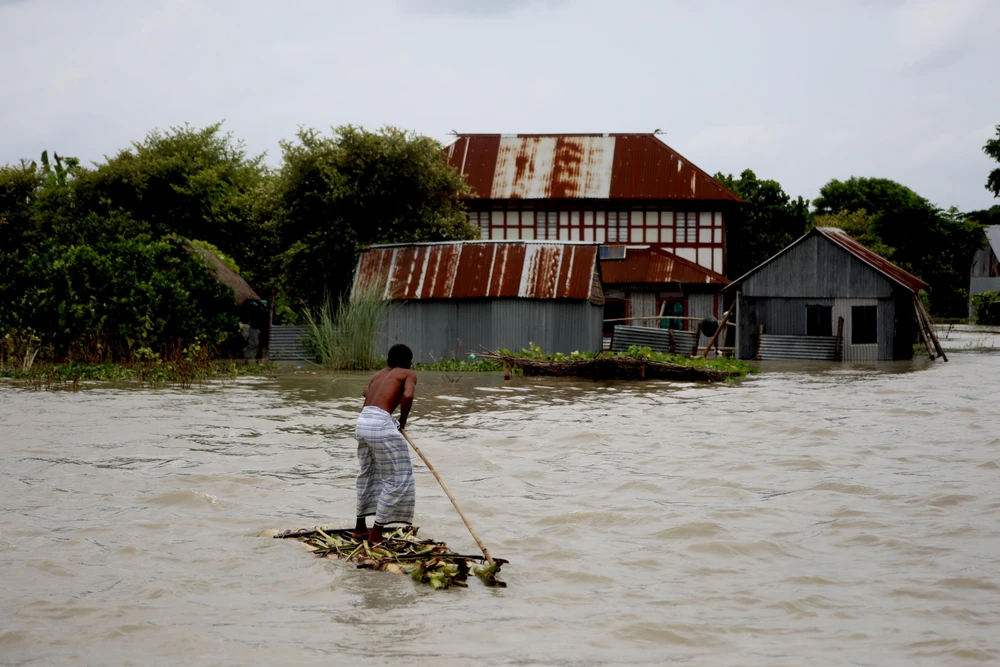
[[391, 388]]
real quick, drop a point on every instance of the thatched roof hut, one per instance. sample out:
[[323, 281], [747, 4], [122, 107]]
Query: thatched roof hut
[[242, 291]]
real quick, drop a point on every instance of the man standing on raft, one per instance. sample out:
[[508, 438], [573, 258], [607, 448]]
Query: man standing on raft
[[385, 480]]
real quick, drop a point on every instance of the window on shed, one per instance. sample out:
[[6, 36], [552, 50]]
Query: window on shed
[[819, 320], [481, 221], [864, 325], [618, 227], [547, 225]]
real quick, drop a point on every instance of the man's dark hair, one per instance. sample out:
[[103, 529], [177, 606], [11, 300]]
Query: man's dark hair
[[400, 356]]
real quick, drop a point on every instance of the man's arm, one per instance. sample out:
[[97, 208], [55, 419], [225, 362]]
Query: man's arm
[[406, 401]]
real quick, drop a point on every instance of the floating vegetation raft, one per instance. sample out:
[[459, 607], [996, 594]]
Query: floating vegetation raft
[[621, 367], [401, 552]]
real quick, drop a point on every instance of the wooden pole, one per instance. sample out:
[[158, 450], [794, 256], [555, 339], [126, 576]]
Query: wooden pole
[[722, 325], [839, 354], [923, 334], [930, 329], [454, 502]]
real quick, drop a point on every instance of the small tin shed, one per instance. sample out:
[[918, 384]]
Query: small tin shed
[[456, 298], [984, 275], [826, 297]]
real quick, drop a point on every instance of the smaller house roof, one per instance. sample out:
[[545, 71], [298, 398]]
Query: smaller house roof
[[644, 264], [844, 240], [482, 269], [993, 236], [985, 263]]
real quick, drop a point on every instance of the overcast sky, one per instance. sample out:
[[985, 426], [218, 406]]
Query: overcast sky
[[799, 90]]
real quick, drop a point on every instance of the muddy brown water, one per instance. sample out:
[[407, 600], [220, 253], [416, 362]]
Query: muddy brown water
[[812, 514]]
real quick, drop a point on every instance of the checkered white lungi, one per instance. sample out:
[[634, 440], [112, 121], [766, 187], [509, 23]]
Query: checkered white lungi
[[385, 480]]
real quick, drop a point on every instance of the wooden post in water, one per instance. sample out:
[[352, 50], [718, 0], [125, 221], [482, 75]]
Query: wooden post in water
[[839, 354]]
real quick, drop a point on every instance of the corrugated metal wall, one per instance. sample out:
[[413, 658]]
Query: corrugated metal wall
[[286, 344], [643, 304], [819, 348], [787, 317], [659, 340], [440, 329], [818, 268]]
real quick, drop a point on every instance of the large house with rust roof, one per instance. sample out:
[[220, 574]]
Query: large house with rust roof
[[660, 219]]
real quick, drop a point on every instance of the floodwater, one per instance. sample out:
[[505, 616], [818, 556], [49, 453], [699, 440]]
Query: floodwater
[[813, 514]]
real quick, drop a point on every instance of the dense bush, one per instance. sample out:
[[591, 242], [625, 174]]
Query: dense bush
[[986, 308], [78, 283]]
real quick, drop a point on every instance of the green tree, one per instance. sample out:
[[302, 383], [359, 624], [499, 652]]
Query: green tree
[[986, 217], [767, 222], [992, 149], [934, 244], [196, 183], [337, 194], [859, 224], [875, 195]]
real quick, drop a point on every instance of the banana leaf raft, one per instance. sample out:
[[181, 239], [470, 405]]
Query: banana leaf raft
[[401, 552]]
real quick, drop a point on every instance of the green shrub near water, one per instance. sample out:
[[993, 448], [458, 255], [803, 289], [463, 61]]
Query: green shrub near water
[[472, 365], [346, 338], [184, 371], [983, 309]]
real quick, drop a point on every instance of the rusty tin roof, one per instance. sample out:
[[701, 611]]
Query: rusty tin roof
[[873, 259], [580, 166], [482, 269], [648, 265]]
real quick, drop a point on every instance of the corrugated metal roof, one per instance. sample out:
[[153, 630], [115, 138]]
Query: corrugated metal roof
[[652, 265], [842, 239], [985, 263], [993, 236], [477, 270], [874, 260], [586, 166]]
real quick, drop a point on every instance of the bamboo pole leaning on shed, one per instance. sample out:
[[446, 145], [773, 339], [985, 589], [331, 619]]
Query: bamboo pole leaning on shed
[[454, 502], [722, 326], [923, 334], [930, 329]]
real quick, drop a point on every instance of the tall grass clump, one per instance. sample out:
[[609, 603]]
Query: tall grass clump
[[346, 337]]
